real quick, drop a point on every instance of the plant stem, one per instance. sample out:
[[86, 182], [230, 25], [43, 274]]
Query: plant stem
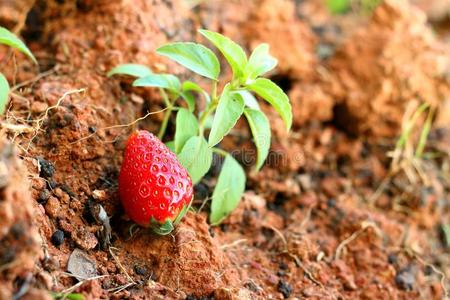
[[209, 109], [220, 152], [169, 104]]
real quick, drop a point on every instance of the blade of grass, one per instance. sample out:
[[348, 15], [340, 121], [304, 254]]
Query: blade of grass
[[424, 134]]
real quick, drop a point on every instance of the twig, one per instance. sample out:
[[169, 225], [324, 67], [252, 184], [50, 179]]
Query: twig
[[35, 79], [75, 286], [435, 270], [130, 282], [296, 259], [120, 265], [364, 226], [233, 244], [135, 121], [119, 126]]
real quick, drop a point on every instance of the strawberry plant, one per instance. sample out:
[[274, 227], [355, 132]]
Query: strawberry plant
[[199, 131], [9, 39]]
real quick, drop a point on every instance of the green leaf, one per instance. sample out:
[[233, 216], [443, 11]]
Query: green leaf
[[232, 52], [228, 190], [273, 94], [186, 127], [192, 86], [170, 145], [260, 127], [10, 39], [230, 108], [249, 99], [338, 6], [165, 81], [260, 62], [196, 157], [190, 100], [71, 296], [75, 296], [4, 93], [135, 70], [195, 57]]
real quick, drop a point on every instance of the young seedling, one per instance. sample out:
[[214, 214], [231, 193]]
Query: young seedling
[[198, 132], [9, 39]]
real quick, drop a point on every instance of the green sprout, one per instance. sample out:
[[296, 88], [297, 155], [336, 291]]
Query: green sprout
[[198, 132], [9, 39], [360, 6]]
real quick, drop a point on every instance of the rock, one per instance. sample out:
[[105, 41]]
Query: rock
[[405, 279], [99, 194], [284, 288], [81, 265], [46, 168], [57, 238]]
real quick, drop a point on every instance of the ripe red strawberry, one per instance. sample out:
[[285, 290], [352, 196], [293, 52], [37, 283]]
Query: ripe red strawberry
[[155, 189]]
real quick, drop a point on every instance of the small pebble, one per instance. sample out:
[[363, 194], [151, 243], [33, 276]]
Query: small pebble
[[57, 238], [284, 288], [140, 270], [99, 195], [46, 168], [405, 279], [44, 195]]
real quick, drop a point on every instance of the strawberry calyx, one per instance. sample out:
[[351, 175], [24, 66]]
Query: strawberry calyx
[[166, 227]]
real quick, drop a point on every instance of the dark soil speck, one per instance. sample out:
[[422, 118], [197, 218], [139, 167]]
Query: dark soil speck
[[47, 169], [284, 288], [58, 238]]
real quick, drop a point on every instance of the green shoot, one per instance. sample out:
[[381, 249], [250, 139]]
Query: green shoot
[[9, 39]]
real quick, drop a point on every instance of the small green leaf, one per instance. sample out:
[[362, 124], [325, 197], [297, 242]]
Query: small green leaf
[[195, 57], [260, 127], [273, 94], [186, 127], [260, 62], [196, 157], [134, 70], [170, 145], [165, 81], [192, 86], [228, 190], [232, 52], [75, 296], [190, 100], [229, 110], [71, 296], [4, 93], [10, 39], [249, 99], [338, 6]]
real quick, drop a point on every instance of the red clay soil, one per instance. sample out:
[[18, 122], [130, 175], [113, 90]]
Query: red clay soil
[[326, 218]]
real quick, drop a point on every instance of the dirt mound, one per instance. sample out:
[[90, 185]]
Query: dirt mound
[[20, 243], [393, 61]]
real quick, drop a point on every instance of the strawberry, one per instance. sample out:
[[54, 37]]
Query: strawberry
[[154, 188]]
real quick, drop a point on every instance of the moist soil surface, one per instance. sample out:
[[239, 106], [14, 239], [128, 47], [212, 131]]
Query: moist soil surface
[[340, 210]]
